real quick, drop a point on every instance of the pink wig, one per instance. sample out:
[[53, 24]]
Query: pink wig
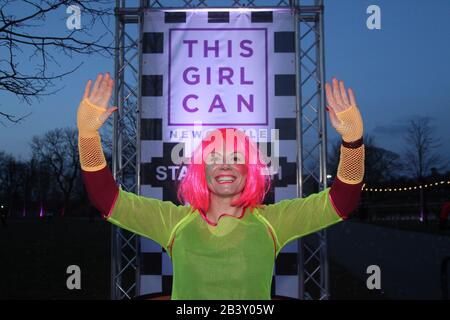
[[193, 188]]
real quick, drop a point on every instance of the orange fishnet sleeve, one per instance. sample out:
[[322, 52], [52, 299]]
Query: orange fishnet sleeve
[[89, 120], [351, 165]]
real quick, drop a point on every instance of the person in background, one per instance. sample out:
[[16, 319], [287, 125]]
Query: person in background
[[443, 216]]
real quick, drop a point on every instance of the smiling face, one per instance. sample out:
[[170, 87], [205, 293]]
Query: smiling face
[[235, 172], [226, 172]]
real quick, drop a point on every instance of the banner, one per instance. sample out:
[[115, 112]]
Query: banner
[[203, 70]]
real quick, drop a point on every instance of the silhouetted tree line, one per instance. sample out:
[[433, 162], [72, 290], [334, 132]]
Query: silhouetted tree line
[[49, 181], [418, 163]]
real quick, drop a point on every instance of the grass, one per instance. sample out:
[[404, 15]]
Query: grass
[[35, 255], [431, 226]]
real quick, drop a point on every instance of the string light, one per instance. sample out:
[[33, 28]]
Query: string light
[[391, 189]]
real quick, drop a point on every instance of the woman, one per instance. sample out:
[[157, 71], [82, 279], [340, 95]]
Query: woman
[[224, 243]]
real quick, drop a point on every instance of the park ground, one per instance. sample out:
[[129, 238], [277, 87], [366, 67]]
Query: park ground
[[35, 255]]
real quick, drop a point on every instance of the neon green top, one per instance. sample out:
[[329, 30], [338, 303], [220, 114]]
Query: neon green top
[[233, 260]]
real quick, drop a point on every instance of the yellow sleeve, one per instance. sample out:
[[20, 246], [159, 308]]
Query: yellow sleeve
[[295, 218], [148, 217]]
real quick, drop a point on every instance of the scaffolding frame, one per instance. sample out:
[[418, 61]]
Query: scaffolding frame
[[310, 112]]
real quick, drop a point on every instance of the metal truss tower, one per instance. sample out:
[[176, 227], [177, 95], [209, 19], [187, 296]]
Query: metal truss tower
[[311, 131]]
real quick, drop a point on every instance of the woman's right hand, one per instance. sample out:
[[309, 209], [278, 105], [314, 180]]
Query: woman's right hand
[[93, 110]]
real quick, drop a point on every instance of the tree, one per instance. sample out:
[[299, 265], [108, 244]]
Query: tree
[[38, 187], [421, 146], [59, 150], [30, 183], [421, 154], [8, 179], [381, 164], [14, 183], [22, 37]]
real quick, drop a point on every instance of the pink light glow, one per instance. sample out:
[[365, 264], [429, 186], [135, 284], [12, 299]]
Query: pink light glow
[[41, 213]]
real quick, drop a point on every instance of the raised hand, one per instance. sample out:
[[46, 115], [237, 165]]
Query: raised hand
[[344, 113], [93, 110]]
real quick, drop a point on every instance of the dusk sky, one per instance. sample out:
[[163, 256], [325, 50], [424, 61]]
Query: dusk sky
[[398, 72]]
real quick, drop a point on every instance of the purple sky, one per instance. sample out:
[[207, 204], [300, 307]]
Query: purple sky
[[397, 72]]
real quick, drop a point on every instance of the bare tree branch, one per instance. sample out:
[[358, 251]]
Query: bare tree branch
[[23, 35], [421, 148], [12, 118]]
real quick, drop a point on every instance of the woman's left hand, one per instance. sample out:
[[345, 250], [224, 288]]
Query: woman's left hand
[[344, 113]]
